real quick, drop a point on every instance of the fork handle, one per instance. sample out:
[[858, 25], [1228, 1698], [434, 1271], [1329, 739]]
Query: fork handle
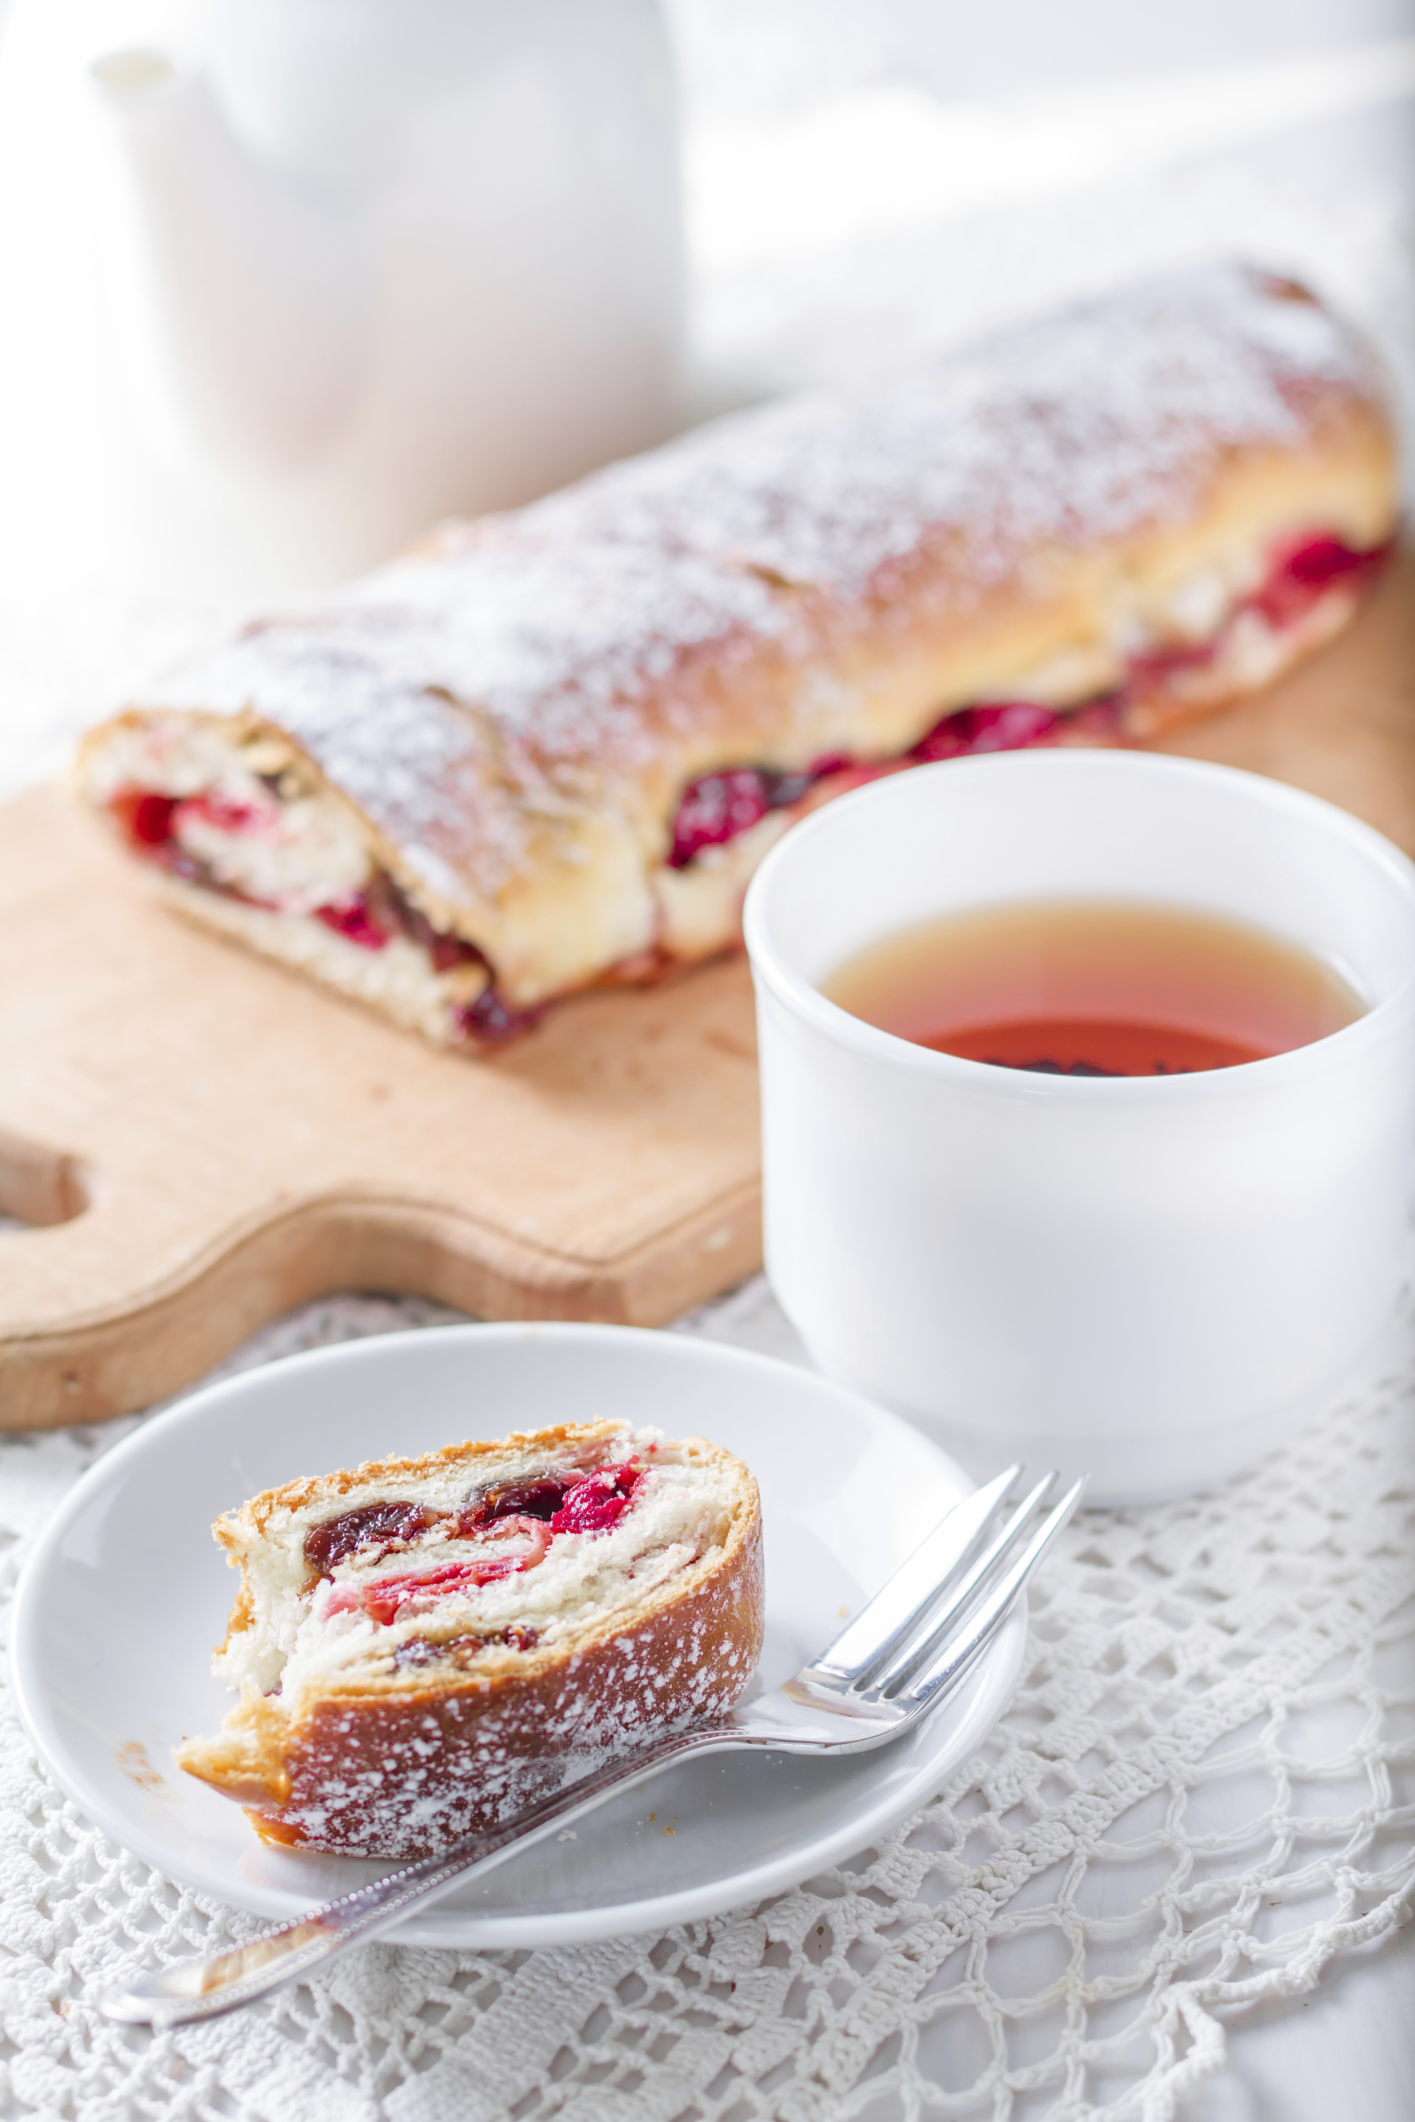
[[204, 1989]]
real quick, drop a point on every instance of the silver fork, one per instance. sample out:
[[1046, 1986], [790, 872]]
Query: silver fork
[[903, 1653]]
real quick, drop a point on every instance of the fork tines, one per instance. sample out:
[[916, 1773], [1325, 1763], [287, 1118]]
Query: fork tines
[[922, 1631]]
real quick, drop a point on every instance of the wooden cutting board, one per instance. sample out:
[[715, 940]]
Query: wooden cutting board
[[200, 1141]]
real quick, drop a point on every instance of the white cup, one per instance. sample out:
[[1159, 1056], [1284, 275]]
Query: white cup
[[1144, 1279]]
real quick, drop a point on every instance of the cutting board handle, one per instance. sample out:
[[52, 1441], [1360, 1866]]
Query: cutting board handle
[[156, 1331], [128, 1305], [39, 1185], [105, 1329]]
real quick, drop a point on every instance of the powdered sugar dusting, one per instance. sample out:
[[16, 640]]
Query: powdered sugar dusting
[[459, 698], [525, 670], [404, 1786], [1071, 430]]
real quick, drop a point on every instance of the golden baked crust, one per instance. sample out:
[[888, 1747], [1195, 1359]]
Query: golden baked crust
[[394, 1763], [512, 713]]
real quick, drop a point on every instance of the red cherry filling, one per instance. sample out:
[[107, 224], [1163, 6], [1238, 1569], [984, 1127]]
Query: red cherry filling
[[589, 1505], [1099, 718], [718, 807], [370, 918], [1304, 573], [385, 1600], [151, 820], [538, 1510], [373, 917], [145, 817], [384, 1524], [353, 919], [600, 1501], [229, 816]]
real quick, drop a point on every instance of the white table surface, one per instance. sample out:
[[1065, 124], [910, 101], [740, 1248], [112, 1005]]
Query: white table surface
[[110, 566]]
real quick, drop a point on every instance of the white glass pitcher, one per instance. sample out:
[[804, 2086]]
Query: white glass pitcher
[[411, 257]]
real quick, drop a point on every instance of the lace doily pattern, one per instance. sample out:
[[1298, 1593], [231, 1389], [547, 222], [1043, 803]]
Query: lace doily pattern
[[1203, 1790]]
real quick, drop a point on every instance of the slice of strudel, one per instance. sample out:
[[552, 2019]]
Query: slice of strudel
[[425, 1646]]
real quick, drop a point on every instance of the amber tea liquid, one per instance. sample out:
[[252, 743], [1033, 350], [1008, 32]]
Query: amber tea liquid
[[1087, 987]]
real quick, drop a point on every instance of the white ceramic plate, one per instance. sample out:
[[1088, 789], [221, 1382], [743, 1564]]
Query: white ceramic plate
[[126, 1593]]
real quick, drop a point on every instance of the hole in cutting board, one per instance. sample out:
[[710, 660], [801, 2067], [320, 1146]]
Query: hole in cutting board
[[38, 1185]]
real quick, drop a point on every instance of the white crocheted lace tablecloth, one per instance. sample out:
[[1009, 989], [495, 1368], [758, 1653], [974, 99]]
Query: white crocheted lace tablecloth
[[1201, 1794]]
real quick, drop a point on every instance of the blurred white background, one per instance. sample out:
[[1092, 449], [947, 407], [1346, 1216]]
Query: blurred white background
[[857, 175]]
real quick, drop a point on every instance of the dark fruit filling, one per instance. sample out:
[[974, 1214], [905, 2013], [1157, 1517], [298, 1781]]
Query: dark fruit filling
[[537, 1510], [384, 1600], [370, 918], [423, 1650], [489, 1019], [382, 1525], [373, 917], [717, 807], [1305, 573], [522, 1499], [589, 1503], [333, 1542], [352, 919], [1003, 726]]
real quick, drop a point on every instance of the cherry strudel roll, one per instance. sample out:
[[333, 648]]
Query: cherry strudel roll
[[425, 1646], [547, 749]]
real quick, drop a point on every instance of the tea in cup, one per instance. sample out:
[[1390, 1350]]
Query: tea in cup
[[1088, 1086]]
